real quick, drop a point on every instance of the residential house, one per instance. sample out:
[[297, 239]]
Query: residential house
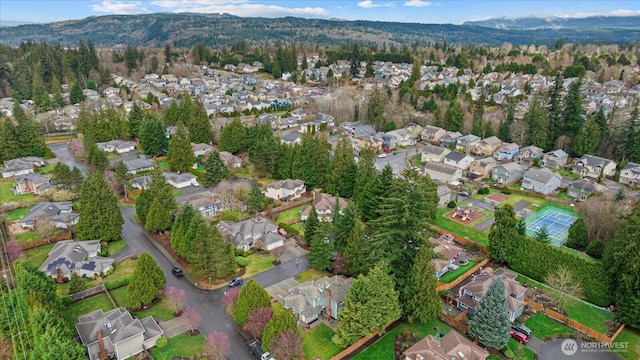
[[451, 137], [542, 181], [255, 231], [21, 166], [325, 205], [170, 130], [507, 173], [556, 159], [403, 137], [441, 173], [80, 257], [232, 161], [434, 153], [137, 165], [471, 293], [200, 149], [528, 154], [507, 151], [466, 143], [486, 147], [31, 184], [630, 174], [459, 160], [116, 334], [117, 146], [581, 189], [594, 167], [445, 195], [298, 113], [450, 255], [481, 169], [285, 190], [452, 346], [59, 213], [180, 180], [312, 298], [432, 134], [141, 182], [206, 202], [290, 139]]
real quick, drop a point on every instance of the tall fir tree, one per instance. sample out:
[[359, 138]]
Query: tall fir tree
[[76, 96], [152, 137], [340, 164], [180, 156], [322, 246], [423, 303], [251, 297], [375, 109], [135, 119], [555, 111], [280, 322], [504, 130], [233, 137], [503, 233], [215, 170], [200, 131], [56, 92], [10, 145], [256, 200], [157, 189], [355, 250], [572, 112], [180, 228], [29, 133], [99, 216], [157, 218], [536, 119], [311, 224], [587, 139], [454, 116], [146, 282], [366, 184], [491, 324]]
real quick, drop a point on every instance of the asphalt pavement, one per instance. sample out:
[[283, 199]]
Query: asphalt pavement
[[62, 153]]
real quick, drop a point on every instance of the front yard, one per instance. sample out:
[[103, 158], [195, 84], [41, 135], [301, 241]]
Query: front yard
[[73, 311], [520, 351], [258, 263], [317, 343], [544, 327], [180, 346]]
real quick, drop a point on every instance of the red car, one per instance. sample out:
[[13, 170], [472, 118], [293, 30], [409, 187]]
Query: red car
[[518, 336], [282, 232]]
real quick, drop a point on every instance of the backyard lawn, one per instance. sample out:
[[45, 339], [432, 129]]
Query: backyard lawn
[[543, 327], [38, 255], [8, 196], [46, 169], [160, 310], [28, 237], [311, 274], [521, 351], [18, 214], [290, 214], [383, 348], [73, 311], [182, 345], [119, 295], [258, 263], [299, 227], [632, 352], [115, 246], [317, 343], [460, 229], [449, 276]]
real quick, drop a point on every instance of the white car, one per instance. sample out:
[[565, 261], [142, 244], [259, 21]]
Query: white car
[[383, 155], [195, 183]]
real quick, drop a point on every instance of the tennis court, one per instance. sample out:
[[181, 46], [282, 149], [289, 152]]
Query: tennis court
[[556, 220]]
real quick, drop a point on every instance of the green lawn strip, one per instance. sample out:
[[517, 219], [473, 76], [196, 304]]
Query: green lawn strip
[[7, 196], [119, 295], [383, 348], [563, 196], [579, 254], [18, 214], [289, 214], [299, 227], [459, 229], [38, 255], [28, 237], [160, 310], [115, 246], [73, 311], [449, 276], [164, 165], [182, 345], [568, 174], [311, 274], [542, 327], [176, 193], [520, 351], [632, 339], [258, 263], [46, 169], [317, 343]]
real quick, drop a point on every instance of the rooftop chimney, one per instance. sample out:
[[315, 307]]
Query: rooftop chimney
[[328, 311], [103, 352], [59, 277]]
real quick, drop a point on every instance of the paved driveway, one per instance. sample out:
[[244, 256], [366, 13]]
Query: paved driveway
[[573, 350], [398, 161], [63, 155]]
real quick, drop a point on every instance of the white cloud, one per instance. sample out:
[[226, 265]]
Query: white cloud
[[625, 12], [119, 7], [368, 4], [239, 8], [418, 3]]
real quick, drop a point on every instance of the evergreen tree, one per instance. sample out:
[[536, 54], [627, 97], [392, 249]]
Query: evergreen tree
[[355, 249], [311, 163], [349, 181], [75, 95], [180, 157], [542, 235], [311, 224], [157, 218], [340, 165], [491, 322], [56, 92], [171, 115], [152, 138], [198, 231], [29, 133], [354, 60], [200, 131], [257, 200], [158, 189], [281, 321], [371, 303], [146, 282], [629, 134], [621, 259], [10, 145], [321, 246], [504, 132], [572, 114], [97, 158], [233, 137], [369, 71], [375, 109], [135, 119], [536, 120], [454, 117], [555, 111], [587, 140], [577, 238], [366, 185], [252, 296], [180, 228], [601, 120], [503, 234], [99, 216], [215, 170], [423, 303], [343, 226]]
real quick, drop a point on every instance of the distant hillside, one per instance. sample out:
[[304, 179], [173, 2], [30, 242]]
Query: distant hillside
[[554, 22], [184, 30]]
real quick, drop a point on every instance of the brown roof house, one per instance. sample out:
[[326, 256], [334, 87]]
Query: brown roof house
[[232, 161], [325, 204], [555, 159], [451, 256], [312, 298], [285, 190], [481, 169], [486, 147], [452, 346], [206, 202], [471, 293], [116, 334], [528, 154], [31, 184]]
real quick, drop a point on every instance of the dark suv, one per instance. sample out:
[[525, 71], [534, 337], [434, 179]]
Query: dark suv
[[176, 271], [237, 281], [521, 328]]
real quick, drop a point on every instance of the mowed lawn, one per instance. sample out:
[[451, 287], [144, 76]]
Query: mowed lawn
[[449, 276], [383, 348], [632, 339], [311, 274], [159, 310], [543, 327], [290, 214], [73, 311], [7, 196], [258, 263], [38, 255], [520, 351], [317, 343], [459, 229], [181, 345], [18, 214]]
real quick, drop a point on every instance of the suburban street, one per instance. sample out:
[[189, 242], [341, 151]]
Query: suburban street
[[398, 161], [63, 155]]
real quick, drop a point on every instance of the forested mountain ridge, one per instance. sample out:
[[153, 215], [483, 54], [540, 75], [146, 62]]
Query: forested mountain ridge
[[184, 30], [557, 22]]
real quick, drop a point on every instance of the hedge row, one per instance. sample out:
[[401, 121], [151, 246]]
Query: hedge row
[[114, 284], [289, 229], [535, 259]]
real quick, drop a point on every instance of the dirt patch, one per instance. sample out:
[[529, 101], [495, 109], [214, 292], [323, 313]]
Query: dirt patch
[[16, 229], [464, 215], [498, 198]]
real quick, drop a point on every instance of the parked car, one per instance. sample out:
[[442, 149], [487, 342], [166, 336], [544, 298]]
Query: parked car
[[236, 281], [255, 347], [176, 271], [382, 155], [521, 328], [518, 336], [282, 232]]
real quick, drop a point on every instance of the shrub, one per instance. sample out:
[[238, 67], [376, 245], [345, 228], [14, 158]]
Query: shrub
[[114, 284], [483, 190], [109, 272], [505, 191], [162, 342], [595, 249], [451, 204], [242, 262], [508, 353]]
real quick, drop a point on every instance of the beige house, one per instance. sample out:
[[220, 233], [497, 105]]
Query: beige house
[[434, 153], [555, 159], [594, 166], [285, 190], [630, 174], [31, 184], [486, 147], [441, 173], [325, 205], [432, 134], [481, 169], [452, 346], [200, 149]]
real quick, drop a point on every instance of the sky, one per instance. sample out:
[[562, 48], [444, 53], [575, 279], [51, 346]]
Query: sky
[[414, 11]]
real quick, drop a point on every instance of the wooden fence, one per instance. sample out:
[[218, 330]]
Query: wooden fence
[[353, 348], [453, 322], [556, 316], [533, 304], [35, 244], [88, 293], [290, 205], [460, 239], [446, 286]]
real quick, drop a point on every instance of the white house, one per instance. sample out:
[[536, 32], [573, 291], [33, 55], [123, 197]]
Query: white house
[[181, 180], [285, 190]]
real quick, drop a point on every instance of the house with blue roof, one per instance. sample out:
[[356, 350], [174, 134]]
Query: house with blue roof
[[80, 257]]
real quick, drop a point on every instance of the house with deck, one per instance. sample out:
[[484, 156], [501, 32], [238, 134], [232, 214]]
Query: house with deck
[[206, 203], [594, 167], [542, 181], [59, 213], [459, 160], [471, 293], [32, 184], [507, 173], [466, 143], [313, 298], [325, 205], [117, 146], [481, 169], [432, 134], [450, 256]]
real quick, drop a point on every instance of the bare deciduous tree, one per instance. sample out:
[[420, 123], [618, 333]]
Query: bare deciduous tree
[[565, 283], [175, 297], [601, 217], [45, 226]]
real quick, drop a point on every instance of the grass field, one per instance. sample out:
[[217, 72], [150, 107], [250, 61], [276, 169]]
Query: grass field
[[115, 246], [311, 274], [7, 196], [449, 276], [38, 255], [299, 227], [181, 345], [46, 169], [160, 310], [460, 229], [632, 352], [542, 327], [18, 214], [258, 263], [73, 311], [383, 348], [28, 237], [317, 343], [520, 351], [290, 214]]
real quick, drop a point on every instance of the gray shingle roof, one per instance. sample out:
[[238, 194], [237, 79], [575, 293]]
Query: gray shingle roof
[[544, 175], [47, 209]]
